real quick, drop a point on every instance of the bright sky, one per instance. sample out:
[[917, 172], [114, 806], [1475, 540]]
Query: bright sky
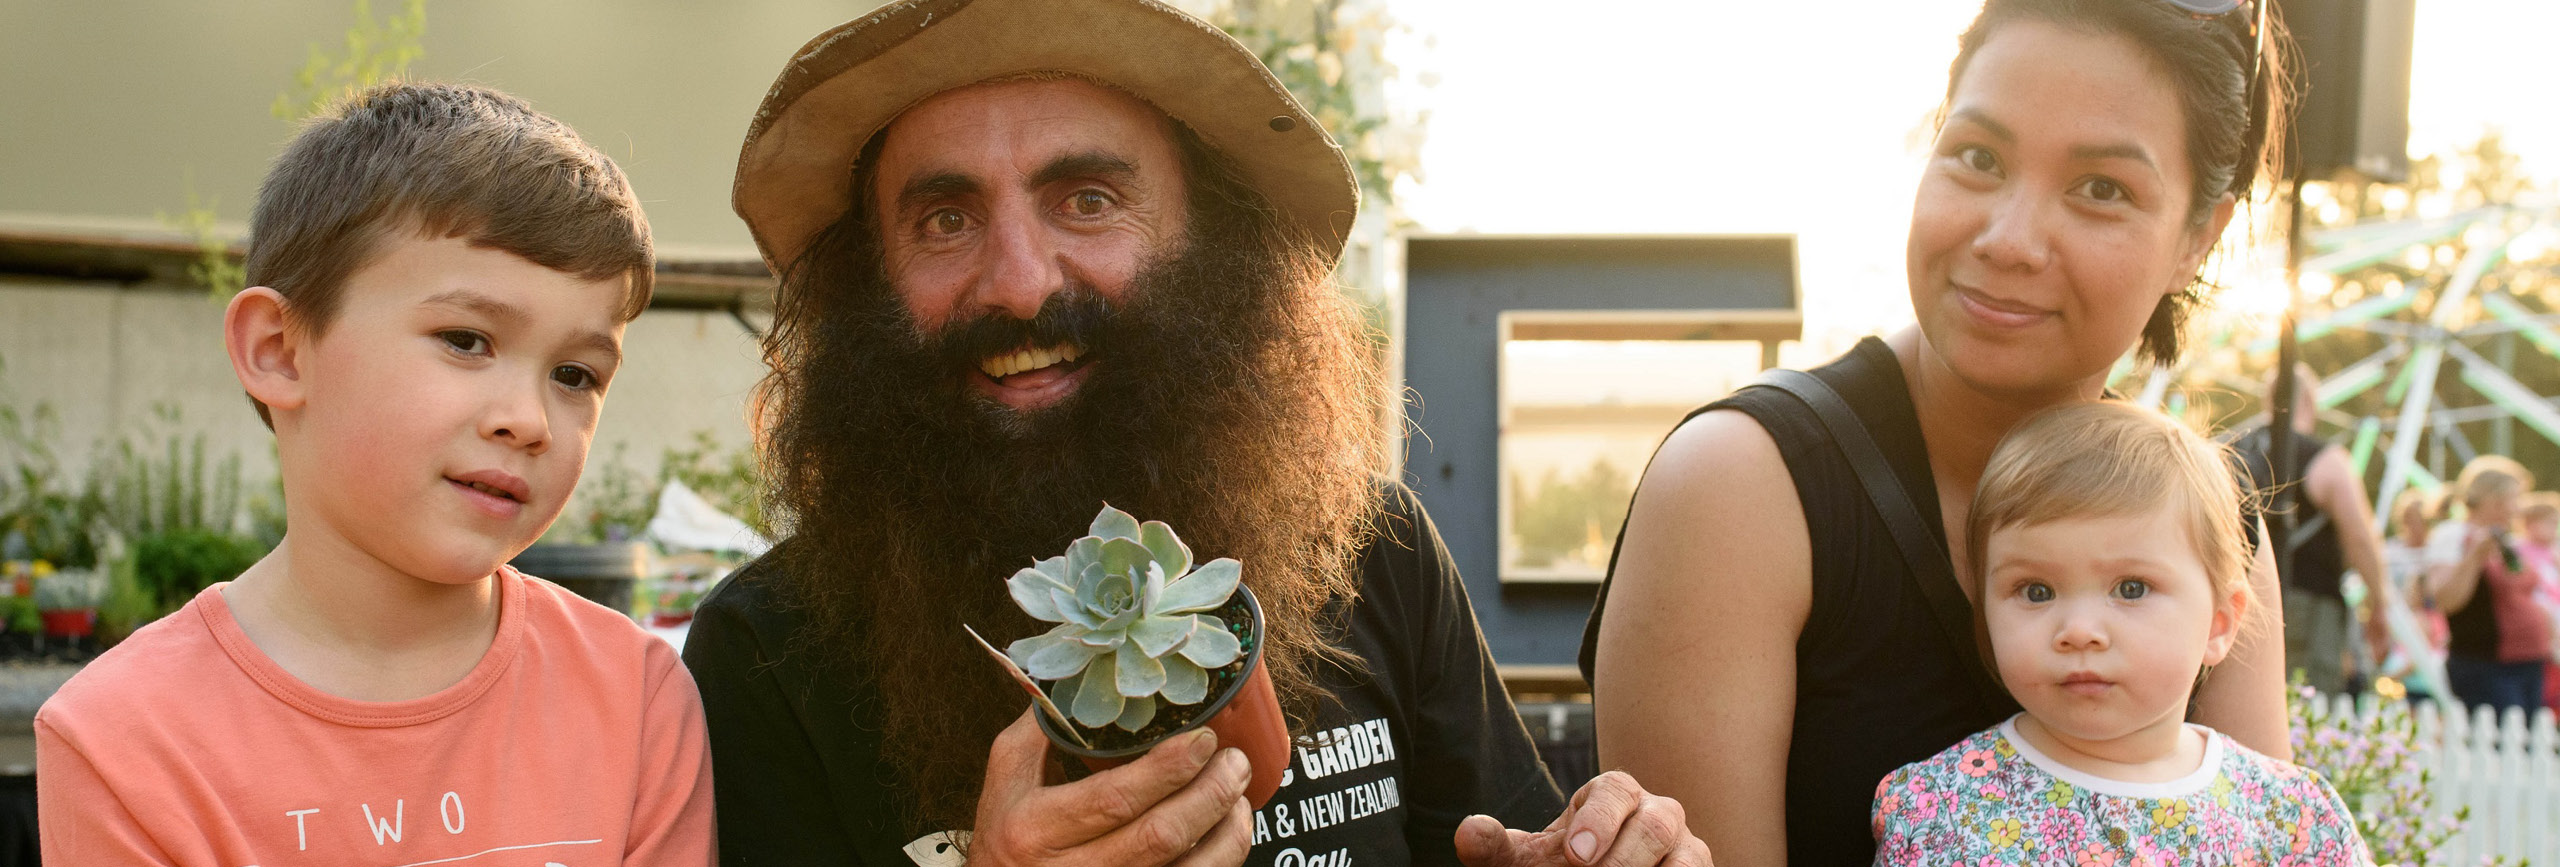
[[1799, 117]]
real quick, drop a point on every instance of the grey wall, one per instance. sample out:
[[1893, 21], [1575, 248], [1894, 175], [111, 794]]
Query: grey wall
[[103, 355], [1455, 290]]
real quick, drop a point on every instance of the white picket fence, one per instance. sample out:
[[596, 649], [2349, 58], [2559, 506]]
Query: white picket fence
[[2506, 769]]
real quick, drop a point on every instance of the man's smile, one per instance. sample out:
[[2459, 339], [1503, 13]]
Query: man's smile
[[1033, 377]]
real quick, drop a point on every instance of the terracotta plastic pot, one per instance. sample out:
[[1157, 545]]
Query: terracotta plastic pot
[[70, 622], [1246, 716]]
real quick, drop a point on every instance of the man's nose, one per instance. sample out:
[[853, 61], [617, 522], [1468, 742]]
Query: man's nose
[[1022, 267]]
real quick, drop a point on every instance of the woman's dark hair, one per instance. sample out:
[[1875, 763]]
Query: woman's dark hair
[[2230, 118]]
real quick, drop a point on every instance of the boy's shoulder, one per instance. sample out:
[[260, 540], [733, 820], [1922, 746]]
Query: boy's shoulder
[[165, 660], [573, 631]]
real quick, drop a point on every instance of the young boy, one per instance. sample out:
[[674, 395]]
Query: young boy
[[442, 276]]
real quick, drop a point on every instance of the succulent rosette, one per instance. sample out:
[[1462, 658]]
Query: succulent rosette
[[1132, 622]]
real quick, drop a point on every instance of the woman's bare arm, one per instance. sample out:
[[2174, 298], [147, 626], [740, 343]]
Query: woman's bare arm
[[1696, 664], [2245, 696]]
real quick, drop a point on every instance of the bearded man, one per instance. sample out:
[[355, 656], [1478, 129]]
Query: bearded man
[[1036, 256]]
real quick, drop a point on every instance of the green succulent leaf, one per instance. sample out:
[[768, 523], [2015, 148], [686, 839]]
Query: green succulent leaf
[[1036, 592], [1139, 674], [1211, 647], [1069, 610], [1056, 569], [1184, 683], [1112, 523], [1063, 694], [1204, 589], [1125, 557], [1169, 551], [1054, 655], [1157, 636], [1135, 713], [1097, 703]]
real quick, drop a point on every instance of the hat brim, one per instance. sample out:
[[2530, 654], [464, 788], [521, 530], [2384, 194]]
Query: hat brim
[[795, 170]]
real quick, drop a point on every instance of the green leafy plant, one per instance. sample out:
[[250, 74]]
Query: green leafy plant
[[172, 567], [1132, 622]]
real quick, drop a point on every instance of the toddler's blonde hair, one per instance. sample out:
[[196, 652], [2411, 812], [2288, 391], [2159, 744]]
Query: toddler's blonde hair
[[2108, 458]]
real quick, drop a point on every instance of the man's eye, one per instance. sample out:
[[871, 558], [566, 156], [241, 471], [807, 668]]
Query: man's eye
[[573, 376], [946, 222], [2132, 588], [464, 341], [1088, 203], [2037, 593]]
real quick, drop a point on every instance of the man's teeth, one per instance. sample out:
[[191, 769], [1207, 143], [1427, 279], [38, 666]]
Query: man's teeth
[[1002, 366]]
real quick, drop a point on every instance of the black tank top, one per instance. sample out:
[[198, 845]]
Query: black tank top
[[1878, 684]]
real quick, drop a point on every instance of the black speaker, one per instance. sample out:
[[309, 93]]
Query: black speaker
[[2354, 71]]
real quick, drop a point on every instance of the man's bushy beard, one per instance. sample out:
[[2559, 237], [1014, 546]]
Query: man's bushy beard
[[1230, 395]]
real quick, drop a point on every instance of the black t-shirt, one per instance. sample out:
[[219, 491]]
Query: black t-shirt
[[2319, 566], [1421, 740], [1878, 683]]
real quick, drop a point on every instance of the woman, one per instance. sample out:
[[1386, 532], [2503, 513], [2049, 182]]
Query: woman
[[2500, 635], [1767, 665]]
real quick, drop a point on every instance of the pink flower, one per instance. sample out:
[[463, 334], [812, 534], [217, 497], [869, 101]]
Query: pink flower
[[1977, 763], [2097, 854]]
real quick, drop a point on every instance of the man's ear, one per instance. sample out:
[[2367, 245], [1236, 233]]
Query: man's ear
[[265, 348]]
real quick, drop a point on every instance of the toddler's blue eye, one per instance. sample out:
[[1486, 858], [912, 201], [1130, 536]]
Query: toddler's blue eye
[[2037, 593], [2132, 588]]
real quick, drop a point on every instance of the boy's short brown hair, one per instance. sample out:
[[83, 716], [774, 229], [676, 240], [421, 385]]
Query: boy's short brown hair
[[445, 161]]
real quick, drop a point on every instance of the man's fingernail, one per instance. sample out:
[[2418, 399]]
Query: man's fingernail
[[1202, 742], [1584, 845], [1231, 762]]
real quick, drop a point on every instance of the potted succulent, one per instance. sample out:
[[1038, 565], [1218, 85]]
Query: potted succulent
[[1147, 647]]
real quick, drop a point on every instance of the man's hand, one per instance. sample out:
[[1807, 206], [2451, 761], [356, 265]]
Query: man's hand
[[1182, 804], [1612, 821]]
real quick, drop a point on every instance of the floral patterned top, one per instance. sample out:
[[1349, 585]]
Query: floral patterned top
[[1993, 799]]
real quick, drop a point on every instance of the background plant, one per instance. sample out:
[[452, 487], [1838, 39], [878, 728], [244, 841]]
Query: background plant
[[2371, 760]]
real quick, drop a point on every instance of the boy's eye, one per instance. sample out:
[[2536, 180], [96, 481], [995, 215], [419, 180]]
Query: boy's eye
[[2036, 593], [2132, 588], [464, 341], [573, 376]]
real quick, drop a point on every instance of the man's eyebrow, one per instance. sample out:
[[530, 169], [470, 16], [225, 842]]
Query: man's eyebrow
[[1997, 129], [1089, 164], [925, 188]]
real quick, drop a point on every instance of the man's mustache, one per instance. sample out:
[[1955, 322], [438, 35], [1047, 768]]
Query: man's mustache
[[1076, 316]]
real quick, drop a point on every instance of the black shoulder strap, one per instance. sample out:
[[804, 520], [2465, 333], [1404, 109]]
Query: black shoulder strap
[[1929, 570]]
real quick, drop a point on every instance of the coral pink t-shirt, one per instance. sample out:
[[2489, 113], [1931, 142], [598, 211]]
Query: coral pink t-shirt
[[576, 741]]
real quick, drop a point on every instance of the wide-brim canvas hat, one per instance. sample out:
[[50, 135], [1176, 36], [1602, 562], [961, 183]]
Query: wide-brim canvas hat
[[795, 172]]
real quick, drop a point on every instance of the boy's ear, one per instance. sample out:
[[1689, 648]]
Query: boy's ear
[[264, 349]]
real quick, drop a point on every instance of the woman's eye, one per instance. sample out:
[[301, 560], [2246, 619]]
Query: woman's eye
[[2132, 588], [573, 376], [465, 342], [1088, 203], [946, 222], [2104, 190], [2037, 593], [1978, 158]]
